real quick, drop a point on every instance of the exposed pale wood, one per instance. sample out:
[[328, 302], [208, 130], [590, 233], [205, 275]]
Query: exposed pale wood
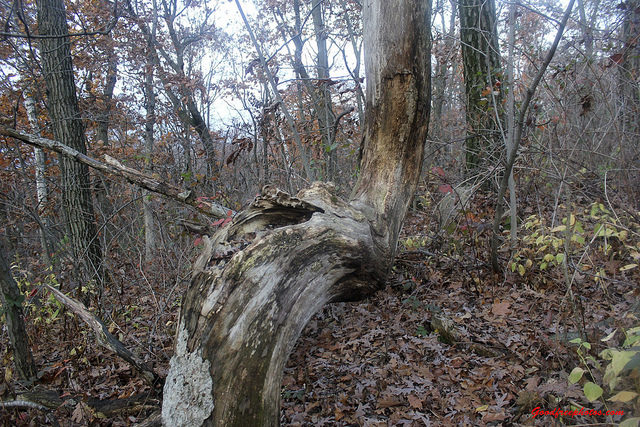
[[261, 277]]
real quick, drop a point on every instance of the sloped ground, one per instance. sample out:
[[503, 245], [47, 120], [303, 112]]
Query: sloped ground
[[380, 362], [383, 361]]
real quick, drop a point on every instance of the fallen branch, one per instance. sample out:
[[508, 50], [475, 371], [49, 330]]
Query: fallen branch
[[26, 404], [104, 337], [114, 167], [49, 400]]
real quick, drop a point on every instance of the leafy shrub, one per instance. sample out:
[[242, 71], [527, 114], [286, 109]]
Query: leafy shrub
[[618, 383], [543, 248]]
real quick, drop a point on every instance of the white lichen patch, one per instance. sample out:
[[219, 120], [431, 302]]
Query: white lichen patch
[[187, 395]]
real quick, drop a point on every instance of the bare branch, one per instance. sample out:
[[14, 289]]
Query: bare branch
[[112, 166], [103, 336]]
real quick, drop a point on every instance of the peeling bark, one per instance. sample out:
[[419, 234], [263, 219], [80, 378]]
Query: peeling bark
[[261, 278]]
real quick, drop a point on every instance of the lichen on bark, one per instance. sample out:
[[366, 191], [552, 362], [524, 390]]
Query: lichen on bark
[[187, 397]]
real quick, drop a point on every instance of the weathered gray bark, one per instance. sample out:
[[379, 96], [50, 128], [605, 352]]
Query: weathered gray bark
[[67, 126], [12, 310], [261, 278], [481, 61]]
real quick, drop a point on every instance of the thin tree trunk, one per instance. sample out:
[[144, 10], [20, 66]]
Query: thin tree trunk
[[150, 121], [264, 275], [67, 126], [355, 73], [101, 185], [12, 310], [41, 183], [510, 122], [630, 74], [519, 125], [324, 110]]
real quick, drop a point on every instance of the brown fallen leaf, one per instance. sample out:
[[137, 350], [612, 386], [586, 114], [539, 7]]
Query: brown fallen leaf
[[388, 402], [415, 401], [501, 308]]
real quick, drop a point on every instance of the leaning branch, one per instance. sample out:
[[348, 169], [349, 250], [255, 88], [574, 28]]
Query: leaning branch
[[103, 336], [112, 166], [518, 137]]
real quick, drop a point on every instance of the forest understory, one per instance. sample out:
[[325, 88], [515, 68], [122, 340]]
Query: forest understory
[[447, 342]]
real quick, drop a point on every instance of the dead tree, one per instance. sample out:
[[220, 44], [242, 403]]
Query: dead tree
[[260, 278]]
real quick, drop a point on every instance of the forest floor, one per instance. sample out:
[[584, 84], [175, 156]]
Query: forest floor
[[447, 342]]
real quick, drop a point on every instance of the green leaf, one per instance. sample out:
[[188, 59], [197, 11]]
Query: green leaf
[[559, 258], [632, 339], [592, 391], [521, 269], [575, 375], [620, 360], [559, 228]]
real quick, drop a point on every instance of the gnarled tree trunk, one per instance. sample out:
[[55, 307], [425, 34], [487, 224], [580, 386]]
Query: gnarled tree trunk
[[260, 279]]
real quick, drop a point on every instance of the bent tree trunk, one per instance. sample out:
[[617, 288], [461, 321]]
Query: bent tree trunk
[[260, 279]]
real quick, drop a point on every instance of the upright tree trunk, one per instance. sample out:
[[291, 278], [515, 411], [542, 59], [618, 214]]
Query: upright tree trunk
[[260, 279], [511, 103], [41, 183], [355, 73], [68, 127], [149, 123], [630, 74], [12, 309], [441, 72], [324, 107], [101, 184], [481, 61]]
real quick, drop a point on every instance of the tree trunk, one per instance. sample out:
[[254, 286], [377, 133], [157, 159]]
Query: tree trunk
[[41, 183], [149, 123], [12, 310], [630, 74], [68, 127], [101, 184], [481, 61], [324, 109], [260, 279]]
